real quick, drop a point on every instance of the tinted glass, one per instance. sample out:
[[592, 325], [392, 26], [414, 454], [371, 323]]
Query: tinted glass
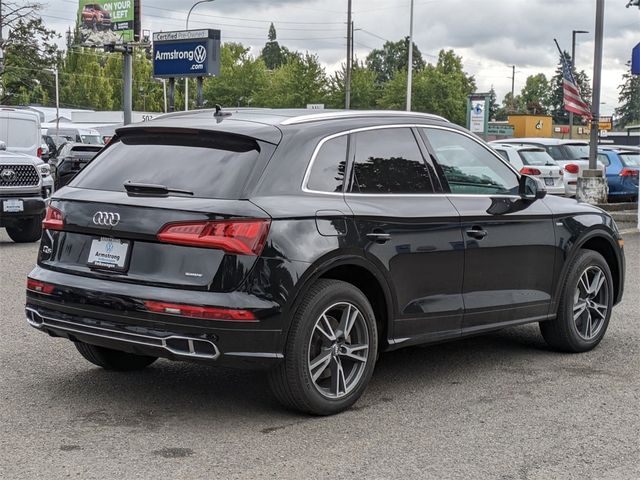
[[92, 139], [503, 154], [469, 167], [327, 172], [389, 161], [577, 152], [536, 157], [557, 153], [630, 159], [604, 159], [209, 165]]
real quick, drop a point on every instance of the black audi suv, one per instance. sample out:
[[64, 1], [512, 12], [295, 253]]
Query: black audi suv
[[307, 243]]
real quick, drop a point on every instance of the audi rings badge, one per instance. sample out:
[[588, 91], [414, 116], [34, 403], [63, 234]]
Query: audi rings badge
[[106, 219]]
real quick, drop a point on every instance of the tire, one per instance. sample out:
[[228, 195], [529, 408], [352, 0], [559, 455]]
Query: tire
[[314, 322], [580, 325], [113, 359], [26, 231]]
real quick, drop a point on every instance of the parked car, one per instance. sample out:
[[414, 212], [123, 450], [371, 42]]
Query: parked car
[[25, 187], [51, 150], [20, 131], [622, 173], [75, 134], [571, 155], [306, 243], [71, 159], [96, 17], [534, 161]]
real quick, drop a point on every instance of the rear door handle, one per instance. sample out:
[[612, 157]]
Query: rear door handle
[[477, 232], [379, 236]]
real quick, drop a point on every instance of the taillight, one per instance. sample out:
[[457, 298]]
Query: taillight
[[39, 287], [628, 172], [530, 171], [39, 152], [572, 168], [209, 313], [53, 220], [244, 237]]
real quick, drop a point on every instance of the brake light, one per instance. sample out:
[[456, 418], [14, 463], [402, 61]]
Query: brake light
[[209, 313], [39, 287], [39, 153], [530, 171], [572, 168], [628, 172], [244, 237], [53, 220]]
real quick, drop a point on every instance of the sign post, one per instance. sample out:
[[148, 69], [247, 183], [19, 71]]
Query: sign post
[[186, 54], [478, 114]]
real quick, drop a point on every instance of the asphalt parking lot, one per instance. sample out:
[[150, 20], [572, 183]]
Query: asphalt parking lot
[[500, 406]]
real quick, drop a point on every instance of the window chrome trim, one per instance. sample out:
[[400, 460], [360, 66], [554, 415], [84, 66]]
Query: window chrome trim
[[316, 151], [314, 117]]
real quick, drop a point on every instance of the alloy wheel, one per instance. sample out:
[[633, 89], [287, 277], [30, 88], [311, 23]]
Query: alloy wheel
[[591, 303], [338, 350]]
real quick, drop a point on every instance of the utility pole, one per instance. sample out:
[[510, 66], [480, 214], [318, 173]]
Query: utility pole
[[347, 80], [513, 83], [410, 61], [573, 69], [127, 99], [592, 185]]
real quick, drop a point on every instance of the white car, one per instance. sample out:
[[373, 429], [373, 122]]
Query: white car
[[571, 155], [534, 161]]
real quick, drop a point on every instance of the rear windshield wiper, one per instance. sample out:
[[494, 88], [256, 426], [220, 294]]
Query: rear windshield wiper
[[151, 189]]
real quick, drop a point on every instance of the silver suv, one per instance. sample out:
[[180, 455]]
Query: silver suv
[[25, 187]]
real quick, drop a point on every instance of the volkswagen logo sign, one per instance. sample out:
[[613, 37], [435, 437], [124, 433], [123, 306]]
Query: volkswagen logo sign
[[200, 54], [8, 175], [106, 219]]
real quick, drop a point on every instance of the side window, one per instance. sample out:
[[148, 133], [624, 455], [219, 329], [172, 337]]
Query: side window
[[468, 167], [389, 161], [604, 159], [503, 154], [327, 172]]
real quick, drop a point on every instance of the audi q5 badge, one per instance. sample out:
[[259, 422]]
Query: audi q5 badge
[[106, 219]]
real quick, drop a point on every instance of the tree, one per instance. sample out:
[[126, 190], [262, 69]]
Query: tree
[[272, 53], [298, 82], [493, 103], [14, 12], [441, 89], [392, 58], [364, 89], [534, 98], [628, 112], [242, 78], [556, 101], [30, 50]]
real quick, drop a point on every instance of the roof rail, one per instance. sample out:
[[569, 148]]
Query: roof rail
[[316, 117]]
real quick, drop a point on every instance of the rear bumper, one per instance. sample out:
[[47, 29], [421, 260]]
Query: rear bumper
[[112, 315]]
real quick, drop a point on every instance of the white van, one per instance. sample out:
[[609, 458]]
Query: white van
[[20, 131], [71, 133]]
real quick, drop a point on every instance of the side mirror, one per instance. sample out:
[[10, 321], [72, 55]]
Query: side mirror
[[531, 188], [45, 156]]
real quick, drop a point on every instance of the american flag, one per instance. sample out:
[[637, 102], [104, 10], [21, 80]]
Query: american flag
[[573, 101]]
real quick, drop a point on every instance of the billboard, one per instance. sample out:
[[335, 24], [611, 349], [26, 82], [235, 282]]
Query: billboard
[[108, 21], [189, 53]]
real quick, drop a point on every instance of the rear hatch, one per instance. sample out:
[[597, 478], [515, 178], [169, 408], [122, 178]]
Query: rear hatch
[[162, 208], [538, 162]]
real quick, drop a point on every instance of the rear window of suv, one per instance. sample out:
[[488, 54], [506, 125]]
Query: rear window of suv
[[210, 165]]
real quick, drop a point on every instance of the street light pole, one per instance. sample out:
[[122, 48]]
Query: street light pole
[[186, 81], [573, 69], [410, 61], [57, 76], [347, 80]]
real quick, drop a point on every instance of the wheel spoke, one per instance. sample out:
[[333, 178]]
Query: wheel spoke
[[347, 321], [325, 328], [587, 323], [338, 381], [349, 351], [578, 308], [318, 365], [601, 310], [596, 282], [584, 281]]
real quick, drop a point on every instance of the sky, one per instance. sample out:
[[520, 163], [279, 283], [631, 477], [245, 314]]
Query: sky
[[490, 35]]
